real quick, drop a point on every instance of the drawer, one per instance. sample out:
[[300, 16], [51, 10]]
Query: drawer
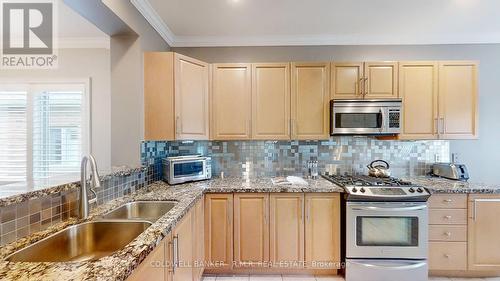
[[448, 216], [447, 256], [448, 201], [456, 233]]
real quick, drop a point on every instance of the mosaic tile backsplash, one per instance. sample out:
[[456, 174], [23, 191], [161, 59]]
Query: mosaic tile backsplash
[[347, 154], [22, 219]]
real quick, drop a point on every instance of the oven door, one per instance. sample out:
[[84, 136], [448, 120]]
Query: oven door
[[355, 120], [386, 230]]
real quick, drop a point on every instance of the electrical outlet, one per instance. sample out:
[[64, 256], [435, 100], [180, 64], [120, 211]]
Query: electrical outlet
[[437, 158], [455, 157]]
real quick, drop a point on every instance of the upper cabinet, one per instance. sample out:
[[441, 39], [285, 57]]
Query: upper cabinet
[[310, 101], [191, 98], [369, 80], [271, 101], [231, 101], [439, 100], [458, 114], [176, 97], [418, 87]]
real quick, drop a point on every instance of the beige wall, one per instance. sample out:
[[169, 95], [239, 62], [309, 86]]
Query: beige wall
[[83, 64], [481, 155]]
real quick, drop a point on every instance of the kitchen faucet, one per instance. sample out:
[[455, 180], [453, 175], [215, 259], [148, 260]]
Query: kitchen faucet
[[83, 211]]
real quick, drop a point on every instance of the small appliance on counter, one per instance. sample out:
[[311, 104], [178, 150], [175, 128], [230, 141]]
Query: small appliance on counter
[[186, 168], [450, 171]]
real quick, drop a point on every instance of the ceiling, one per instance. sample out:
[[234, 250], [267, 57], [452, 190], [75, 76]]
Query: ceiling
[[322, 22], [74, 31]]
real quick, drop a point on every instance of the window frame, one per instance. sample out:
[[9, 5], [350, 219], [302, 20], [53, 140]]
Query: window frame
[[29, 85]]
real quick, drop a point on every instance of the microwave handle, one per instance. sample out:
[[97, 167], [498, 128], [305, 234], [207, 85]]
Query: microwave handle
[[381, 119]]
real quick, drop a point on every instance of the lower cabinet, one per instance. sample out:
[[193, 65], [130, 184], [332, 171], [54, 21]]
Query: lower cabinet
[[287, 230], [199, 240], [183, 249], [154, 267], [484, 232], [322, 230], [251, 229], [219, 231]]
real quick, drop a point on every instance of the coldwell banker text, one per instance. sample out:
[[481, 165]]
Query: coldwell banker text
[[28, 34]]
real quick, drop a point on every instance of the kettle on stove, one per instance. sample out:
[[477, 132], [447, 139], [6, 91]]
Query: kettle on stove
[[379, 169]]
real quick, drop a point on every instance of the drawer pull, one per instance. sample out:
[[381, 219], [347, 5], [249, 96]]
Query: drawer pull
[[447, 233], [447, 200], [447, 256], [447, 217]]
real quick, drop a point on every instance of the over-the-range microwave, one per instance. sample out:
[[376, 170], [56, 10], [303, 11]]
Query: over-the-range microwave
[[365, 117]]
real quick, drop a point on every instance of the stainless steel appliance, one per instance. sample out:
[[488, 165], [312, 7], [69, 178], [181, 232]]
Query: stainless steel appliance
[[386, 229], [450, 171], [365, 117], [187, 168]]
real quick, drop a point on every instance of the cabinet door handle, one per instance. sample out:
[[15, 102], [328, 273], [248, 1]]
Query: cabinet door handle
[[447, 256], [307, 211], [447, 217], [447, 233], [447, 200], [436, 124], [442, 131], [177, 125], [171, 266], [361, 88], [176, 252], [365, 87]]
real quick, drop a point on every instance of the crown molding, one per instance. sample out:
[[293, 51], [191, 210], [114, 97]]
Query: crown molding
[[145, 8], [147, 11], [83, 43]]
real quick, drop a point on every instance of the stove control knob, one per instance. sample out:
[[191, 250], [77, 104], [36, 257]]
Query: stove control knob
[[420, 190], [411, 190], [362, 190], [354, 190]]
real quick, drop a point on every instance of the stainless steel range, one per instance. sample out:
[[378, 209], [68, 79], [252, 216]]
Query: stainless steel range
[[386, 229]]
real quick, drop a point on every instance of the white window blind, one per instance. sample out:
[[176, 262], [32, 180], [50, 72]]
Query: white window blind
[[46, 135], [13, 134]]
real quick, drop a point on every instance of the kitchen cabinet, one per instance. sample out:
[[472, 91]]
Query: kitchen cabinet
[[310, 99], [159, 113], [153, 267], [418, 88], [287, 229], [183, 249], [271, 101], [484, 231], [458, 115], [231, 101], [176, 97], [368, 80], [219, 231], [251, 229], [322, 230], [199, 240]]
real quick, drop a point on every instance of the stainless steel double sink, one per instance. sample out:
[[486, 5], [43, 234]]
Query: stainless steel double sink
[[95, 239]]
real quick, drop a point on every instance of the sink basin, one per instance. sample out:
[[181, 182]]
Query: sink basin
[[82, 242], [143, 210]]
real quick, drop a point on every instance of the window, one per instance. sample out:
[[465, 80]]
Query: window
[[43, 130]]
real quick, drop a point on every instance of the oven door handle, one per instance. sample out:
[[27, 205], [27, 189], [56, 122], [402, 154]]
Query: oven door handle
[[402, 209], [402, 267]]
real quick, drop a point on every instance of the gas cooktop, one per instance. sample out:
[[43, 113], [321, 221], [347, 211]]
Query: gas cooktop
[[365, 188]]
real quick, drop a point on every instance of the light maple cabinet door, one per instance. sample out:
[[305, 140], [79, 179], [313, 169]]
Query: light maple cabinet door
[[191, 98], [231, 101], [347, 80], [458, 114], [219, 230], [271, 101], [322, 229], [418, 88], [287, 229], [251, 228], [310, 101], [199, 240], [152, 268], [484, 230], [183, 250], [159, 96], [381, 80]]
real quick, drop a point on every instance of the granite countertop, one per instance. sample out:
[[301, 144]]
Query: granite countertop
[[119, 265], [441, 185]]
